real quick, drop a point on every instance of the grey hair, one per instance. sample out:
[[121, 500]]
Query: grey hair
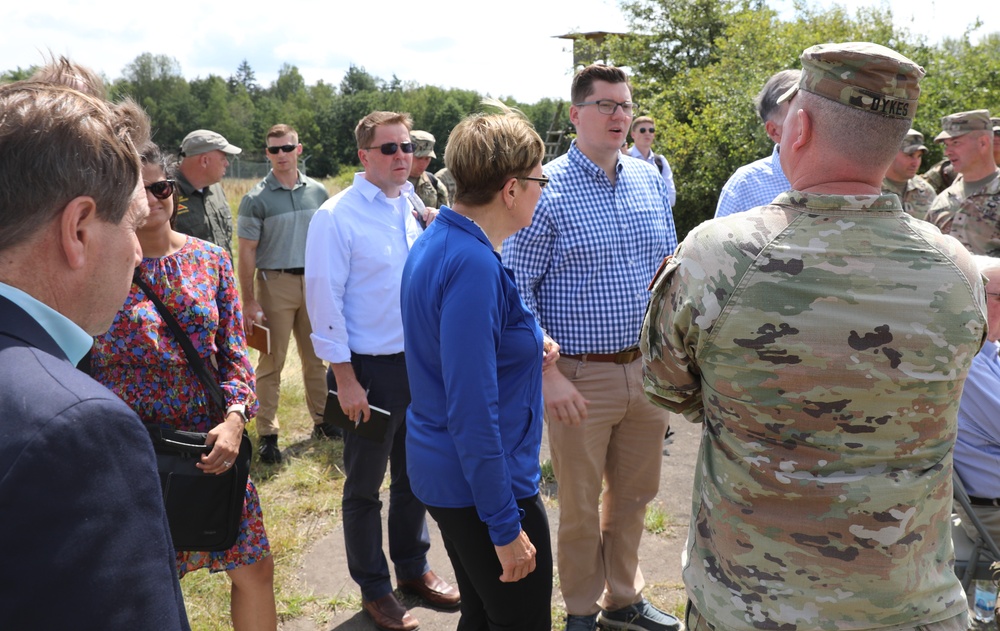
[[766, 100]]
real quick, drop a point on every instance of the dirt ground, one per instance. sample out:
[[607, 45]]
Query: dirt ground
[[324, 570]]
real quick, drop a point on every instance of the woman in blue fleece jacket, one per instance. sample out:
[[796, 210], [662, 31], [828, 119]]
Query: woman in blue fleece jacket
[[474, 357]]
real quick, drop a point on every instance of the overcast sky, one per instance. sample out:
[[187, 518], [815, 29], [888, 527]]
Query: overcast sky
[[502, 48]]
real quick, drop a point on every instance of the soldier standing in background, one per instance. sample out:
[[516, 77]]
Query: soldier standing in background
[[915, 193], [967, 208], [429, 189]]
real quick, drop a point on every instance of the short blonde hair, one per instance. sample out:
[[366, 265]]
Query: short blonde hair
[[364, 133], [485, 150]]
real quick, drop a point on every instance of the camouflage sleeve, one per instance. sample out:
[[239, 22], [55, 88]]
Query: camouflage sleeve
[[670, 375], [941, 212], [442, 194]]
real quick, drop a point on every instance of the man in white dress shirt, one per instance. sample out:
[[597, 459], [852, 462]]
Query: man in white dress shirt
[[355, 250]]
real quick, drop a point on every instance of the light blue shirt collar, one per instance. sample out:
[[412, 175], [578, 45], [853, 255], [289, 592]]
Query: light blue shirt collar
[[73, 340]]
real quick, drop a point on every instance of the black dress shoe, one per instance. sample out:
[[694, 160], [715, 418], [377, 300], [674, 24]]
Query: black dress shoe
[[268, 449], [327, 431]]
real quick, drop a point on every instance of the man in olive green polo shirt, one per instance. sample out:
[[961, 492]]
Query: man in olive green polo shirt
[[271, 228], [967, 208], [915, 193], [202, 209]]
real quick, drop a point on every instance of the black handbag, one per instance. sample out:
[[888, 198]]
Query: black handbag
[[204, 510]]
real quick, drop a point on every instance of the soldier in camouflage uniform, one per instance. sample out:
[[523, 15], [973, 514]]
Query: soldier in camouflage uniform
[[969, 209], [915, 193], [429, 189], [823, 340], [444, 176], [940, 175]]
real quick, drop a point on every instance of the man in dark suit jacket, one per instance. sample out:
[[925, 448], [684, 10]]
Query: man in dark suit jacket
[[86, 540]]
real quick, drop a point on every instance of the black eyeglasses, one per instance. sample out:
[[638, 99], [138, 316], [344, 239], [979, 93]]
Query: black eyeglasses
[[607, 106], [390, 148], [542, 181], [643, 130], [162, 189], [286, 148]]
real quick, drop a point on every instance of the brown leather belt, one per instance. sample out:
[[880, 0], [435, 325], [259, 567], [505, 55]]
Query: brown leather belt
[[626, 356], [294, 271]]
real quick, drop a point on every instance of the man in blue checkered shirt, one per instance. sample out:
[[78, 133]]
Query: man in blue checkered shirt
[[601, 228], [758, 183]]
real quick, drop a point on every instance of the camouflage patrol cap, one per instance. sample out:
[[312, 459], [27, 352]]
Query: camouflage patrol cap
[[913, 141], [862, 75], [961, 123], [203, 140], [423, 144]]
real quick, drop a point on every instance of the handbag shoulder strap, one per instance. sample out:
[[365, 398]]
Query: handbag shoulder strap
[[194, 359]]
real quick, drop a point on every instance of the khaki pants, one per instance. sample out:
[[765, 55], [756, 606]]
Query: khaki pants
[[282, 297], [620, 445]]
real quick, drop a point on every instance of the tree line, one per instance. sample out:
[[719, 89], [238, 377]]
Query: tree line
[[696, 66]]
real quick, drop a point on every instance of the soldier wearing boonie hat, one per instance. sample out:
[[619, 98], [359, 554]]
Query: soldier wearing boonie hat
[[901, 179], [968, 208], [799, 334], [202, 209], [428, 188]]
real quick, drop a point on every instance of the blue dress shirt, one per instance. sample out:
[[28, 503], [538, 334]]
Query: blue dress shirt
[[752, 185], [585, 262], [977, 447], [474, 362], [73, 340], [666, 172]]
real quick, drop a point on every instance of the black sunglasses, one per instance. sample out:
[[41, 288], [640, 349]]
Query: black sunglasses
[[642, 130], [286, 148], [162, 189], [542, 181], [390, 148]]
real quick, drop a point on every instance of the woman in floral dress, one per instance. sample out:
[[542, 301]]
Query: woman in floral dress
[[141, 361]]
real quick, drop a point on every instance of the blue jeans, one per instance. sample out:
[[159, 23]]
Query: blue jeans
[[365, 462]]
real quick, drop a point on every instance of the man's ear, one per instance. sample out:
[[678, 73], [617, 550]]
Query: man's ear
[[363, 157], [773, 131], [77, 222], [804, 130]]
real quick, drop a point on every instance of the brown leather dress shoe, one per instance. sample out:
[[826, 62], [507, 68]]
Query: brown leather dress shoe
[[433, 589], [389, 614]]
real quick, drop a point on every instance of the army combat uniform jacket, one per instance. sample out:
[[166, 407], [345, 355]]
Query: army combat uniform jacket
[[974, 220], [823, 341]]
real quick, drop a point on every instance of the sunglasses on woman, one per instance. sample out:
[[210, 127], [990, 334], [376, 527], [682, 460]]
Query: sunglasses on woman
[[390, 148], [162, 189]]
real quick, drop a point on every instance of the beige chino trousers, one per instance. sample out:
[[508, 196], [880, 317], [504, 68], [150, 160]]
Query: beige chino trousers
[[282, 297], [608, 470]]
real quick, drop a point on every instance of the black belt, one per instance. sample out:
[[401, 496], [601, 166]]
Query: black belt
[[295, 271], [626, 356], [983, 501]]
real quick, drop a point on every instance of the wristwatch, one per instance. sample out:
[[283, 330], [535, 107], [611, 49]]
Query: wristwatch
[[240, 409]]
